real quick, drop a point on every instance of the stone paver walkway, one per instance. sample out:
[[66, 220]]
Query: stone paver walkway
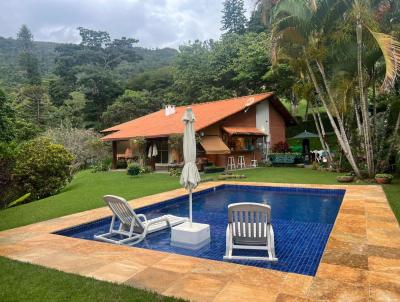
[[361, 261]]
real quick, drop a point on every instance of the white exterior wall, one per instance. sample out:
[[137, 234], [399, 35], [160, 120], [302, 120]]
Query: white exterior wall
[[262, 117], [262, 123]]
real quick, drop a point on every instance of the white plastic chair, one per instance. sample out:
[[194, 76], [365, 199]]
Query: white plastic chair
[[133, 227], [250, 228]]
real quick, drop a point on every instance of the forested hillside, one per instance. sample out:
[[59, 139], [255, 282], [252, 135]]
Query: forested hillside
[[46, 54], [338, 68]]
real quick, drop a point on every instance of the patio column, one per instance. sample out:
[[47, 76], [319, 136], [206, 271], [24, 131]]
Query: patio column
[[114, 158]]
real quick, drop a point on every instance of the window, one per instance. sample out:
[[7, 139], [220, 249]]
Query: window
[[162, 148], [241, 143]]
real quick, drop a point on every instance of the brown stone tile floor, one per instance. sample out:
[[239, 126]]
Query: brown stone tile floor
[[361, 261]]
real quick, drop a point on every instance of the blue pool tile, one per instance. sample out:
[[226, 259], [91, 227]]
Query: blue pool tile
[[302, 219]]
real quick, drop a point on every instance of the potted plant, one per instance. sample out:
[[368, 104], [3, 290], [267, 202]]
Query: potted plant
[[383, 178], [345, 178]]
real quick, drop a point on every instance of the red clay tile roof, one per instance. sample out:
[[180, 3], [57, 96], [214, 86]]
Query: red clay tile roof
[[243, 130], [158, 125]]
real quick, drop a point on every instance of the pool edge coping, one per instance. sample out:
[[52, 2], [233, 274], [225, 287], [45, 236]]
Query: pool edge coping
[[36, 238]]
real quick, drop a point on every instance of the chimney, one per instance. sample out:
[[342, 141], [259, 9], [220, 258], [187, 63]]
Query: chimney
[[169, 110]]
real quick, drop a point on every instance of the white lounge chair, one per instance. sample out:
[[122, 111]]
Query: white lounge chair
[[133, 227], [250, 228]]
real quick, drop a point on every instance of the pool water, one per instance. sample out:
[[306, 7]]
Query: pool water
[[302, 220]]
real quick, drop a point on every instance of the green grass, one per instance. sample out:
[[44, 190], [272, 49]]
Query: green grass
[[26, 282], [84, 193], [393, 195]]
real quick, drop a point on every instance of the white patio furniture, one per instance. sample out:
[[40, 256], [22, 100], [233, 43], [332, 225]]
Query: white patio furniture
[[249, 228], [254, 163], [231, 163], [133, 227], [241, 162]]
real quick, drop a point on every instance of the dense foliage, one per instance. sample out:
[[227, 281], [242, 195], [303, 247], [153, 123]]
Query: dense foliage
[[337, 68], [42, 168], [84, 144]]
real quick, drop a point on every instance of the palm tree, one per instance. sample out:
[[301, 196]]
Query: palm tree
[[310, 29]]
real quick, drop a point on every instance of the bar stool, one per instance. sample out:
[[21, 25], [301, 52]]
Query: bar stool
[[241, 162], [231, 163], [254, 163]]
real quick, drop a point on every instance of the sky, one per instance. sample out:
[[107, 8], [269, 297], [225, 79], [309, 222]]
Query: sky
[[156, 23]]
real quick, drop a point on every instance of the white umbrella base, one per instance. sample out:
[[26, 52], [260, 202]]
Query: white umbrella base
[[192, 237]]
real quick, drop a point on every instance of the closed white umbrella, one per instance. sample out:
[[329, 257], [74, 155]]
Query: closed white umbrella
[[150, 153], [190, 177], [155, 150]]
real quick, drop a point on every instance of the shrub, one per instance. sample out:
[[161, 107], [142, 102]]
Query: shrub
[[230, 176], [145, 169], [389, 176], [285, 158], [7, 163], [175, 172], [102, 166], [383, 178], [281, 147], [42, 167], [315, 166], [207, 179], [133, 169], [122, 165], [84, 144], [345, 178], [213, 169]]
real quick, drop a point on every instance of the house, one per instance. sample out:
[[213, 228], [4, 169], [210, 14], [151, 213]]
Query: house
[[244, 126]]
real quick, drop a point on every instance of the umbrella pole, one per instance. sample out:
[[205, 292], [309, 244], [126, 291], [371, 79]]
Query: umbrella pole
[[190, 207]]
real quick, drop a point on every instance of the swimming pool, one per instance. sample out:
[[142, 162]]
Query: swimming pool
[[302, 220]]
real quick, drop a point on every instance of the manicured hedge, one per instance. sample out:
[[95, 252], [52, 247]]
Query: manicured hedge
[[213, 169], [285, 158]]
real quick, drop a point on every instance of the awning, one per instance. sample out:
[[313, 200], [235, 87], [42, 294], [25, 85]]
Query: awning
[[214, 145], [244, 131]]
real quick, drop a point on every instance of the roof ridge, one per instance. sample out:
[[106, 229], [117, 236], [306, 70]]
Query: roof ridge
[[218, 101]]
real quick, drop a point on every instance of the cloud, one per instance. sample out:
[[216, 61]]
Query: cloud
[[156, 23]]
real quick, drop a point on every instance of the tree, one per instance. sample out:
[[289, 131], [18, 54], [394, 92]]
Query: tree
[[71, 112], [7, 163], [84, 144], [315, 29], [32, 103], [233, 18], [60, 90], [7, 119], [130, 105], [157, 80], [100, 91], [27, 60], [232, 66], [256, 23]]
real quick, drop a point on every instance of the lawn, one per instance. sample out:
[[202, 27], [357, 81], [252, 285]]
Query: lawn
[[87, 188], [25, 282], [84, 193]]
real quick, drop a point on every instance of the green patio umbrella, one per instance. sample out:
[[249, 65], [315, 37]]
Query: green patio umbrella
[[304, 135]]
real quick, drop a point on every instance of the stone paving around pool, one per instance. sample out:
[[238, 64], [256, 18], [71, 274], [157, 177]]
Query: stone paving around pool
[[361, 261]]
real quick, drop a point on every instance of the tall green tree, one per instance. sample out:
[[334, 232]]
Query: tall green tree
[[7, 119], [27, 59], [100, 91], [32, 104], [315, 29], [130, 105], [233, 17]]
